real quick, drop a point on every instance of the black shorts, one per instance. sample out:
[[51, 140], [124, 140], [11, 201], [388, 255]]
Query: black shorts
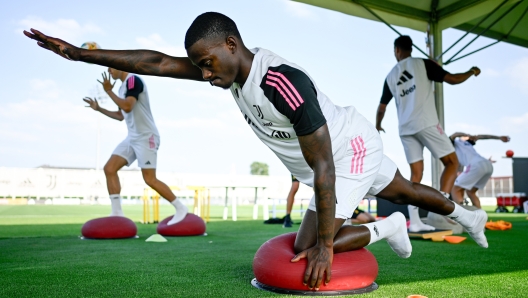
[[356, 213], [294, 179]]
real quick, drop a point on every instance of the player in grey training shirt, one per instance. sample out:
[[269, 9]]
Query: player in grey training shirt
[[410, 82]]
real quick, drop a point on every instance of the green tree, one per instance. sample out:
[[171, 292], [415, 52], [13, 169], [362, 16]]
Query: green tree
[[259, 168]]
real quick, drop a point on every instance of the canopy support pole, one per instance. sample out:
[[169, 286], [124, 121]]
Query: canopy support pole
[[435, 48]]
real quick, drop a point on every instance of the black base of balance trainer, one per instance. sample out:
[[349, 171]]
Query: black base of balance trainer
[[364, 290]]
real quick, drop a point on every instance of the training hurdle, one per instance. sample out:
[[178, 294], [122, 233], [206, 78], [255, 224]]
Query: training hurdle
[[148, 195], [202, 201]]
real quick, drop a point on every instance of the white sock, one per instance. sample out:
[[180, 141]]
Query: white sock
[[416, 224], [394, 229], [462, 215], [473, 221], [181, 212], [115, 200]]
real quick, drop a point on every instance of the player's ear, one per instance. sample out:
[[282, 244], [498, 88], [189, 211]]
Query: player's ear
[[231, 44]]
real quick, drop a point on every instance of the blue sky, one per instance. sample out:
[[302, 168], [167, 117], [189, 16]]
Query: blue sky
[[43, 119]]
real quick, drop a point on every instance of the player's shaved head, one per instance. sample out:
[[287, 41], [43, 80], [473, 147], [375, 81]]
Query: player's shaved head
[[210, 25], [403, 42]]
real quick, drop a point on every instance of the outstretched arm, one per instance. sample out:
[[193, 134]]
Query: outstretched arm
[[458, 134], [458, 78], [505, 139], [135, 61], [92, 103], [317, 151]]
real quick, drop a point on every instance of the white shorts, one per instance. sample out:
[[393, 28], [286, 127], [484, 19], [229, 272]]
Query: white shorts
[[475, 175], [432, 137], [144, 149], [364, 169]]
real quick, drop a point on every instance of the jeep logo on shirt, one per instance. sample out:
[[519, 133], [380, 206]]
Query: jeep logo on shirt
[[280, 134], [267, 124], [408, 91]]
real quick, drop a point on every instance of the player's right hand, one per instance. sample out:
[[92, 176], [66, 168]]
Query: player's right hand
[[92, 103], [319, 264], [505, 139], [57, 46], [379, 128]]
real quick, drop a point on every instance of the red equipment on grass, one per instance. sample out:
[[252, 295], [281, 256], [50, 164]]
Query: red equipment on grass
[[515, 199], [353, 272]]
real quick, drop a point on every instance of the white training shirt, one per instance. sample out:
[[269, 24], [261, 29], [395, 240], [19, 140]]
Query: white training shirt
[[140, 122], [280, 101], [410, 82], [465, 152]]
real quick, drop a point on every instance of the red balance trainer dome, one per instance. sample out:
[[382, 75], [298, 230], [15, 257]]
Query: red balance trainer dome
[[191, 225], [112, 227], [352, 272]]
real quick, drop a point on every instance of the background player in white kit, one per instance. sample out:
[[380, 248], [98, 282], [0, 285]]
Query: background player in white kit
[[477, 169], [410, 82], [142, 142], [331, 148]]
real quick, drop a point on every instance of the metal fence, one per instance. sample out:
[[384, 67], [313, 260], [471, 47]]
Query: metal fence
[[497, 185]]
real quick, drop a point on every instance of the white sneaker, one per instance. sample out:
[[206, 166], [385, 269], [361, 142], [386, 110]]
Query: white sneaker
[[399, 241], [476, 230]]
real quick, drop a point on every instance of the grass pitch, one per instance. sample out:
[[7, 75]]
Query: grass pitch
[[41, 255]]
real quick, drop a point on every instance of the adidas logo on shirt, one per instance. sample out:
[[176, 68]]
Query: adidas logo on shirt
[[405, 77]]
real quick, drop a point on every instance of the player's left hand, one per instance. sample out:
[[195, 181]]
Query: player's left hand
[[320, 260], [107, 84], [505, 139], [475, 70]]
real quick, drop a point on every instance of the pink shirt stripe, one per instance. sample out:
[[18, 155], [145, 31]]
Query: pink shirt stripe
[[282, 93], [289, 84], [131, 82], [292, 98]]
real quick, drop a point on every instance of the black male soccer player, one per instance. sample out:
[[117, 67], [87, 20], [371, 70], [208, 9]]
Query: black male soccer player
[[333, 149], [410, 82]]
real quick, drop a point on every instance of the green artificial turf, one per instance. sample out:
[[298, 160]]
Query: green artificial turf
[[41, 255]]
